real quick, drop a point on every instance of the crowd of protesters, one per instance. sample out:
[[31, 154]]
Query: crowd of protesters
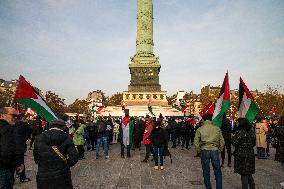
[[60, 144]]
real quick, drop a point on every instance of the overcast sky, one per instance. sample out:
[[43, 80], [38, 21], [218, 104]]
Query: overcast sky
[[73, 47]]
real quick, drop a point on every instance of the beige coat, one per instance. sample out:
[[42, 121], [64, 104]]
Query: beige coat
[[260, 131]]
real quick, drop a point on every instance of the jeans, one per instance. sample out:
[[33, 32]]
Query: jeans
[[261, 153], [102, 141], [282, 166], [206, 157], [6, 179], [247, 180], [158, 152]]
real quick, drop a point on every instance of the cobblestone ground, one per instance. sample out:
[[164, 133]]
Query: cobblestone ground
[[184, 172]]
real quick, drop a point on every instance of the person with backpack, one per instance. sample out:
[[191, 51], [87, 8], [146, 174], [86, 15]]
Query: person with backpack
[[102, 137], [54, 152], [159, 140]]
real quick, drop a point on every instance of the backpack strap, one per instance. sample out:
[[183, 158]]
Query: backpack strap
[[56, 150]]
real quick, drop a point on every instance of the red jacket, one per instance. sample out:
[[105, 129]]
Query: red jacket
[[148, 128]]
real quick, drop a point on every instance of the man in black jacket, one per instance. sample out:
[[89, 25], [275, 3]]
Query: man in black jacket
[[21, 130], [55, 152], [226, 132], [7, 147]]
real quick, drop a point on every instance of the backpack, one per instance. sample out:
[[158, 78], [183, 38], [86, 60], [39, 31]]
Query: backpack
[[101, 127]]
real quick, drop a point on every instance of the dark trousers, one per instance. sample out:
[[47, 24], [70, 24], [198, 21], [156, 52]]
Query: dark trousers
[[185, 141], [91, 141], [247, 182], [127, 149], [192, 135], [267, 149], [21, 160], [81, 151], [148, 151], [174, 139], [137, 144], [229, 152], [6, 179], [206, 157]]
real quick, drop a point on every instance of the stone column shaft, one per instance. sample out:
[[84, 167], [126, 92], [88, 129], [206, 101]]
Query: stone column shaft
[[144, 40]]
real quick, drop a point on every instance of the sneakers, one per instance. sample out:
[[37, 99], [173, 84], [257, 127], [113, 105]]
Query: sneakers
[[282, 184], [162, 167], [106, 157], [156, 167]]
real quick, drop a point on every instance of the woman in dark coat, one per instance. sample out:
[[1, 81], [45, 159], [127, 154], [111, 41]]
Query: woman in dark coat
[[279, 135], [55, 153], [244, 158], [159, 139]]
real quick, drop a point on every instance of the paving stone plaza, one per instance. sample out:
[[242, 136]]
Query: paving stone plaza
[[184, 172]]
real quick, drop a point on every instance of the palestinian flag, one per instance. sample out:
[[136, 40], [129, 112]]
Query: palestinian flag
[[209, 109], [97, 110], [183, 105], [223, 103], [127, 130], [180, 106], [177, 106], [27, 96], [150, 109], [247, 106]]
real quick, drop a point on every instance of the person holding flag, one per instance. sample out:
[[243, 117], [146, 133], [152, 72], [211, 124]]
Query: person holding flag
[[208, 143], [209, 140], [146, 140], [126, 132]]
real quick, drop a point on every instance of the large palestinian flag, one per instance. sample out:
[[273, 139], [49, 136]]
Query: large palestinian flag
[[247, 106], [127, 130], [27, 96], [222, 104]]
